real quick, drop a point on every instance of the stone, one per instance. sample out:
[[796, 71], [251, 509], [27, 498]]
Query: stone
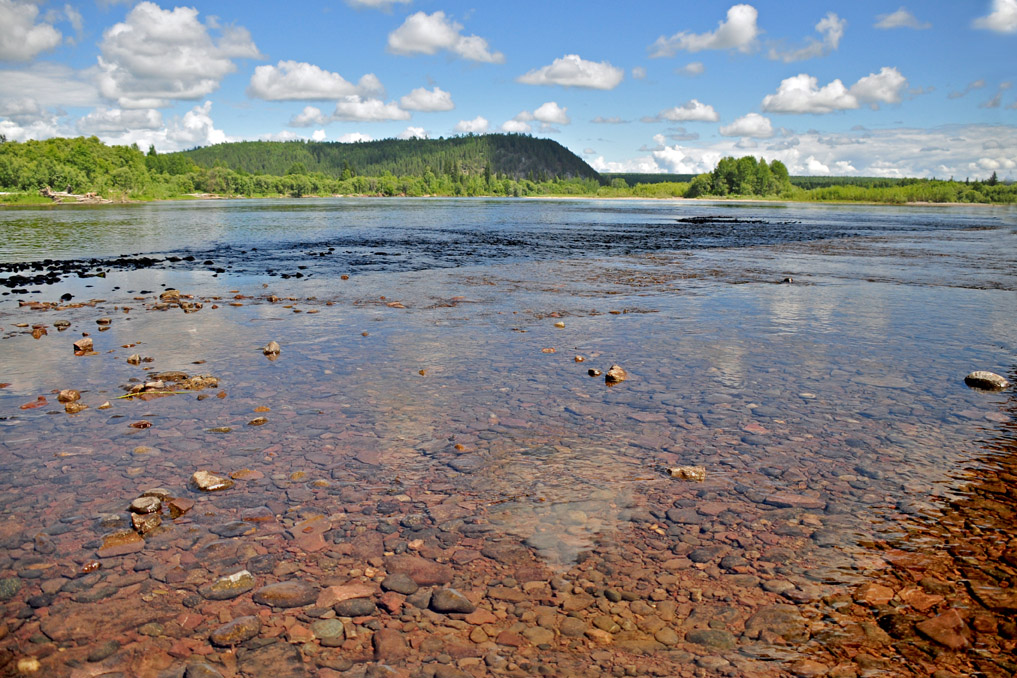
[[120, 544], [286, 594], [228, 587], [400, 583], [987, 381], [389, 645], [210, 482], [271, 349], [947, 629], [615, 375], [422, 571], [449, 601], [83, 345], [329, 632], [715, 638], [179, 506], [355, 607], [9, 587], [238, 631], [790, 500], [538, 635], [145, 523], [695, 473], [337, 594], [200, 669], [146, 505], [68, 395], [572, 627], [873, 595], [807, 668]]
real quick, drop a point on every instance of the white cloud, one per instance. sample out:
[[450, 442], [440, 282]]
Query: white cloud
[[802, 94], [1002, 19], [74, 18], [692, 69], [751, 125], [376, 4], [412, 133], [157, 56], [422, 99], [108, 121], [885, 87], [354, 137], [309, 117], [21, 38], [423, 33], [318, 135], [612, 120], [814, 167], [50, 84], [997, 100], [738, 32], [691, 111], [478, 125], [830, 27], [357, 108], [285, 135], [639, 73], [552, 113], [573, 71], [902, 18], [300, 81], [516, 126]]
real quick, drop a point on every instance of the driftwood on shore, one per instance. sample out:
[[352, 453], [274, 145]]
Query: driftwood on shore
[[67, 196]]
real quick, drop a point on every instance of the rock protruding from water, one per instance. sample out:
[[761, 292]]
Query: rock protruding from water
[[271, 350], [210, 482], [615, 375], [987, 381], [695, 473]]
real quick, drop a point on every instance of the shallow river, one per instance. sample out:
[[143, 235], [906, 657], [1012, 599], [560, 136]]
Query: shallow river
[[430, 423]]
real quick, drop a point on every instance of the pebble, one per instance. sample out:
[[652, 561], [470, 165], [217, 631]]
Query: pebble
[[236, 632], [449, 601], [286, 594], [988, 381], [228, 587], [616, 374], [210, 482], [146, 504]]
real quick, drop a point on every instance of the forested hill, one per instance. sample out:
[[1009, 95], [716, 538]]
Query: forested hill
[[514, 156]]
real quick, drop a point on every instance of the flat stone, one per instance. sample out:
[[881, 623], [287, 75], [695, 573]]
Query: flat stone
[[201, 669], [995, 598], [789, 500], [228, 587], [337, 594], [389, 645], [286, 594], [450, 600], [424, 572], [538, 635], [989, 381], [79, 623], [236, 632], [355, 607], [947, 629], [210, 482], [329, 632], [873, 595], [715, 638], [120, 544], [400, 583]]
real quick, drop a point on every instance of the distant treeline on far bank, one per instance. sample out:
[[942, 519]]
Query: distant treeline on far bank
[[472, 165]]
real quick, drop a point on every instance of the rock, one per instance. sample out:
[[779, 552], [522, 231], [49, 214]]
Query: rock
[[271, 349], [179, 506], [329, 632], [68, 395], [715, 638], [83, 345], [134, 359], [286, 594], [807, 668], [236, 632], [400, 583], [422, 571], [450, 600], [145, 523], [538, 635], [988, 381], [947, 629], [615, 375], [170, 294], [873, 595], [74, 408], [9, 587], [228, 587], [102, 651], [572, 627], [201, 669], [120, 544], [389, 645], [696, 473], [349, 591], [258, 421], [355, 607], [146, 505], [790, 500], [593, 372], [210, 482]]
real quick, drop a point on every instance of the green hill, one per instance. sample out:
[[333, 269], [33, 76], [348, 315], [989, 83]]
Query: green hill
[[514, 156]]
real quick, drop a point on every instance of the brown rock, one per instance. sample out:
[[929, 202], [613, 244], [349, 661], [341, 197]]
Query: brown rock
[[210, 482], [336, 594], [424, 572], [83, 345], [615, 375], [286, 594], [873, 595], [236, 632], [179, 506], [68, 395], [120, 544], [947, 629], [389, 645], [989, 381]]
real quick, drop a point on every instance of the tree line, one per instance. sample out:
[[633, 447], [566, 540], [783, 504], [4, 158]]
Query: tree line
[[509, 165]]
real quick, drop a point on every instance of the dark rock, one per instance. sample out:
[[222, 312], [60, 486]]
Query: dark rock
[[715, 638], [286, 594], [400, 583], [450, 600], [236, 632], [355, 607]]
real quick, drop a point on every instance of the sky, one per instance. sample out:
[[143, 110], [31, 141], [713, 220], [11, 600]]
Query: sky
[[858, 87]]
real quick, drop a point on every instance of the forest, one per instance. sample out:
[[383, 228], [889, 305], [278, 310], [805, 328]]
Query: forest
[[472, 165]]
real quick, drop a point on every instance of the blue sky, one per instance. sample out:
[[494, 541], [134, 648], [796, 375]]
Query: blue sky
[[858, 88]]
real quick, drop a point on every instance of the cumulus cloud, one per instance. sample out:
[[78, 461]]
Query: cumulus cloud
[[357, 108], [104, 121], [750, 125], [971, 87], [309, 117], [1002, 19], [412, 133], [516, 126], [573, 71], [157, 56], [552, 113], [49, 84], [145, 128], [422, 99], [478, 125], [830, 27], [21, 38], [691, 111], [301, 81], [902, 18], [423, 33], [802, 94], [354, 137], [692, 69], [639, 73], [738, 31]]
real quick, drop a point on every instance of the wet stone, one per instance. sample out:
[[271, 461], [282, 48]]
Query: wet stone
[[9, 587], [228, 587], [715, 638], [286, 594], [202, 669], [210, 482], [400, 583], [784, 621], [988, 381], [120, 544], [103, 650], [450, 601], [947, 629], [236, 632], [329, 632], [236, 528], [355, 607]]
